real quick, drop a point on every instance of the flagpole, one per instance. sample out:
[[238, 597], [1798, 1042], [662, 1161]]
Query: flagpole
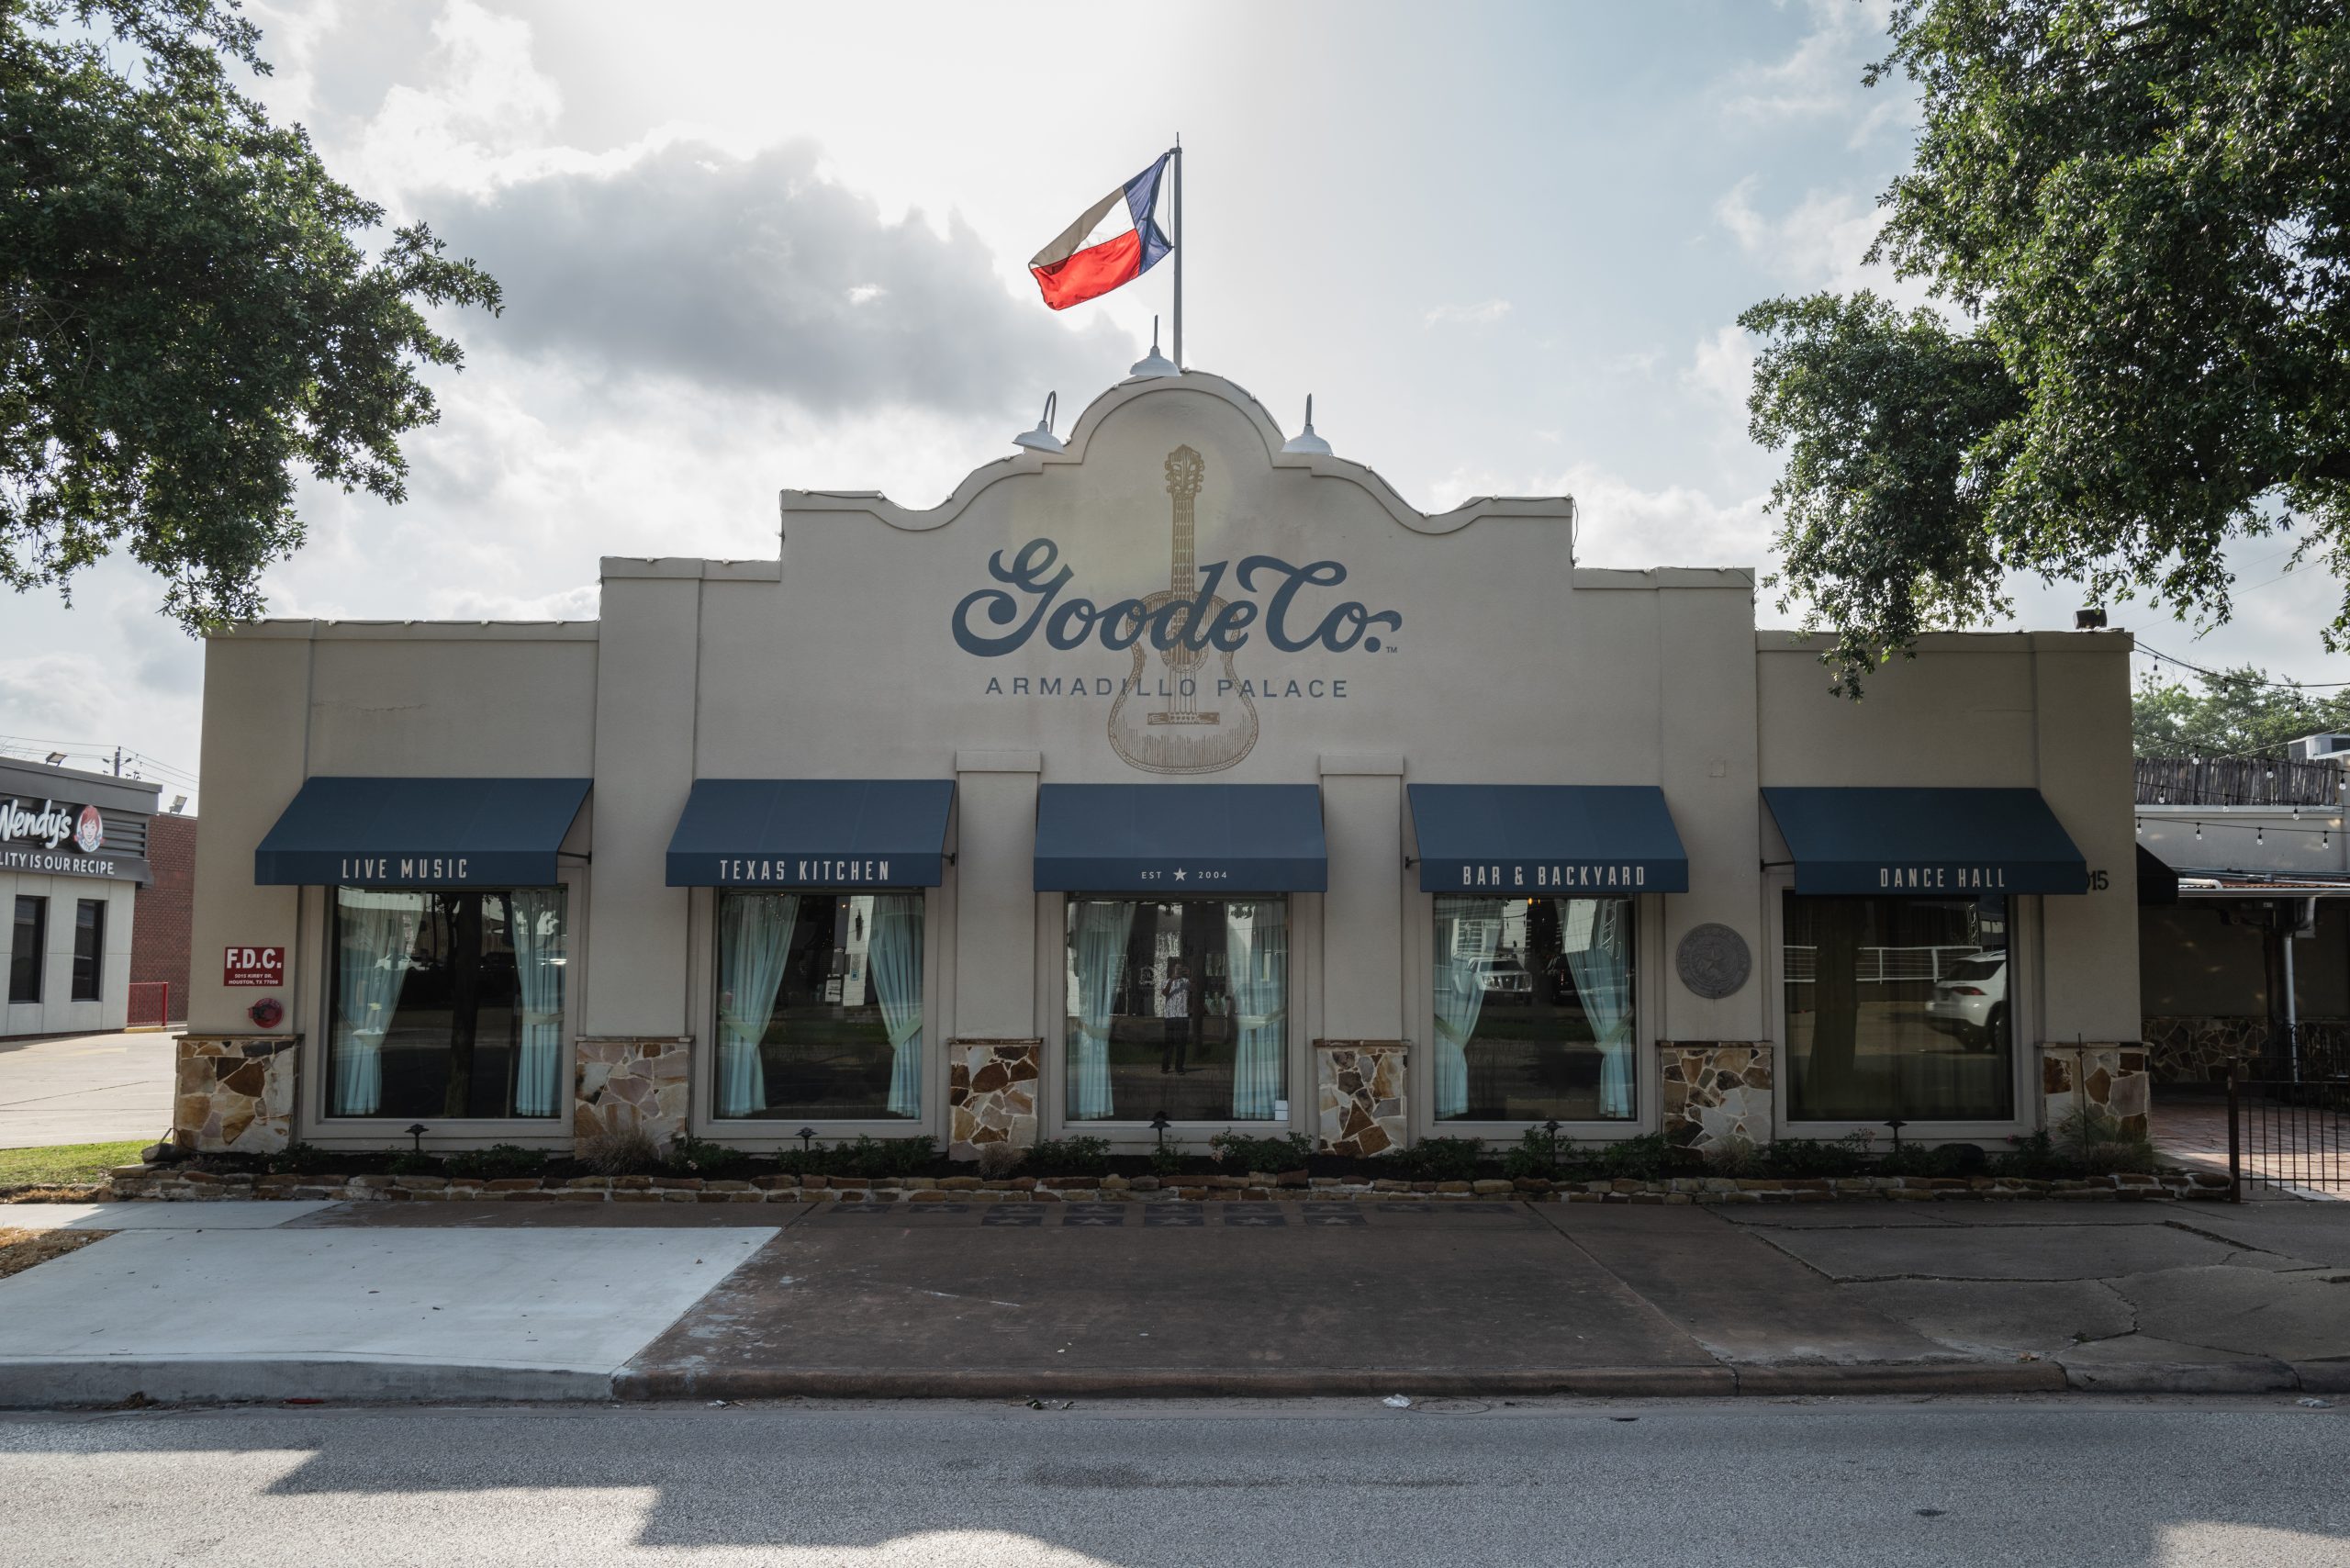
[[1178, 250]]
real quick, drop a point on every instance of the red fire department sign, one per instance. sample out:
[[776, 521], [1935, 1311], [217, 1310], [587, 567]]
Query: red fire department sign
[[253, 966]]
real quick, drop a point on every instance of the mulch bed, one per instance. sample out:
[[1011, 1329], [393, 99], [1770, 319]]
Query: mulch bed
[[21, 1250]]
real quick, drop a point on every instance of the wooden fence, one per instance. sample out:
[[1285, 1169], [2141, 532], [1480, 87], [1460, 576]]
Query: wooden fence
[[2237, 781]]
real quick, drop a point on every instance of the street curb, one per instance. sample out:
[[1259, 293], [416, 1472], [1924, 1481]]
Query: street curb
[[1169, 1382], [39, 1384], [1895, 1377], [33, 1385], [1627, 1383]]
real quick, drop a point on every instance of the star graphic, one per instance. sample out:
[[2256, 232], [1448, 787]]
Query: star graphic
[[1179, 874]]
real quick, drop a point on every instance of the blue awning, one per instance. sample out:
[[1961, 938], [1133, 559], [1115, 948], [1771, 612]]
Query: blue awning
[[812, 832], [1565, 840], [420, 832], [1180, 838], [1926, 841]]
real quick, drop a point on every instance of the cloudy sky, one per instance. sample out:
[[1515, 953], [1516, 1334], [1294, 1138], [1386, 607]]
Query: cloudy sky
[[759, 245]]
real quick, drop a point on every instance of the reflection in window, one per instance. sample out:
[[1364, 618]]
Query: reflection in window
[[27, 948], [446, 1003], [1534, 1009], [1898, 1007], [89, 948], [1178, 1005], [820, 1005]]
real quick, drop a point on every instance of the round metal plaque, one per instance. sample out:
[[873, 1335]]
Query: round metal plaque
[[1713, 961]]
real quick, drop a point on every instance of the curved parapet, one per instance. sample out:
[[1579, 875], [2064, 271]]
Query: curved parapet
[[1029, 463]]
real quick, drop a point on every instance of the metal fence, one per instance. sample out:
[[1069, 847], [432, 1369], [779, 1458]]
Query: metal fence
[[150, 1006], [2237, 781], [2288, 1117], [1887, 966]]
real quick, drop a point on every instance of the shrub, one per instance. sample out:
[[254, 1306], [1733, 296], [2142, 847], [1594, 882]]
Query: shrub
[[300, 1159], [624, 1151], [409, 1162], [1073, 1156], [1243, 1152], [1166, 1159], [1645, 1158], [1535, 1153], [499, 1162], [1441, 1159], [872, 1158], [1000, 1159], [692, 1156], [1734, 1157], [1805, 1158]]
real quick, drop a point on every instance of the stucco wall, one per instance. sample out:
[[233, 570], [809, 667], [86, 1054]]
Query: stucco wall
[[2043, 709], [285, 700], [1506, 663]]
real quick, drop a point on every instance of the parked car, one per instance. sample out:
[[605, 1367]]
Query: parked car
[[1970, 1001], [1506, 980]]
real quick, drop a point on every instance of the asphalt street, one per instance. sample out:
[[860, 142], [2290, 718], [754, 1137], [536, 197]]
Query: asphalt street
[[2073, 1480], [86, 1089]]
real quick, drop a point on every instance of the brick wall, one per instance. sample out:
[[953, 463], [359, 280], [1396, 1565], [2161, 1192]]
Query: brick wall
[[159, 931]]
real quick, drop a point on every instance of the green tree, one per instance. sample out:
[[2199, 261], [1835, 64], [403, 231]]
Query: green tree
[[2132, 214], [2238, 712], [186, 312]]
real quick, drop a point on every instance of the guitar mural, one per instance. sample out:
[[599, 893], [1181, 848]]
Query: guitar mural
[[1185, 717]]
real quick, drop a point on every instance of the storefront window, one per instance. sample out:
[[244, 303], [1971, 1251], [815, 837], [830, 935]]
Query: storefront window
[[1534, 1014], [447, 1004], [89, 948], [1897, 1007], [820, 1005], [1178, 1005], [28, 948]]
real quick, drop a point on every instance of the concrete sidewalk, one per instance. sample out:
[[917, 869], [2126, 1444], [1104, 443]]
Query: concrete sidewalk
[[468, 1301]]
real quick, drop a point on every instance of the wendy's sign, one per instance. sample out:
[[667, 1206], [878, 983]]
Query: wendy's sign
[[1194, 618]]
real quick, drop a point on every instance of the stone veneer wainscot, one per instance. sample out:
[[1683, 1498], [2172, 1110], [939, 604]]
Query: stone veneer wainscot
[[1358, 1097], [623, 1083], [2109, 1077], [991, 1095], [235, 1094], [1716, 1094]]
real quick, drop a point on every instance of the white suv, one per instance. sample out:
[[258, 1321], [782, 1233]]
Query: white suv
[[1970, 1001]]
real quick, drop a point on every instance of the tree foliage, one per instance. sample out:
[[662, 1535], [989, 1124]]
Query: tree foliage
[[186, 312], [2237, 712], [2132, 213]]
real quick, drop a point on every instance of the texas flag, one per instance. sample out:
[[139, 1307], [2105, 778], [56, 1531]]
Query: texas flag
[[1116, 241]]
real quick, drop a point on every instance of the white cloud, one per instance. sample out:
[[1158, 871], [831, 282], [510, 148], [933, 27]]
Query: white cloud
[[1721, 369], [1821, 77], [1484, 313], [1619, 524]]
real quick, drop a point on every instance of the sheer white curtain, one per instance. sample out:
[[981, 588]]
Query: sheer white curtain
[[1099, 944], [1466, 931], [375, 932], [1603, 972], [534, 926], [1256, 965], [895, 954], [754, 943]]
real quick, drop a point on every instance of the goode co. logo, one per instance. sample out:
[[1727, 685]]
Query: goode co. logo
[[54, 825], [1031, 601], [1185, 704]]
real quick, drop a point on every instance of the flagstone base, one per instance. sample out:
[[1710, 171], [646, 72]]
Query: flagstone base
[[1359, 1096], [2109, 1078], [234, 1095], [991, 1095], [1717, 1092], [623, 1083]]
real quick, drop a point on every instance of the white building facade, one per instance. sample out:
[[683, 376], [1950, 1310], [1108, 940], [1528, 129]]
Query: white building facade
[[1169, 778], [73, 858]]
